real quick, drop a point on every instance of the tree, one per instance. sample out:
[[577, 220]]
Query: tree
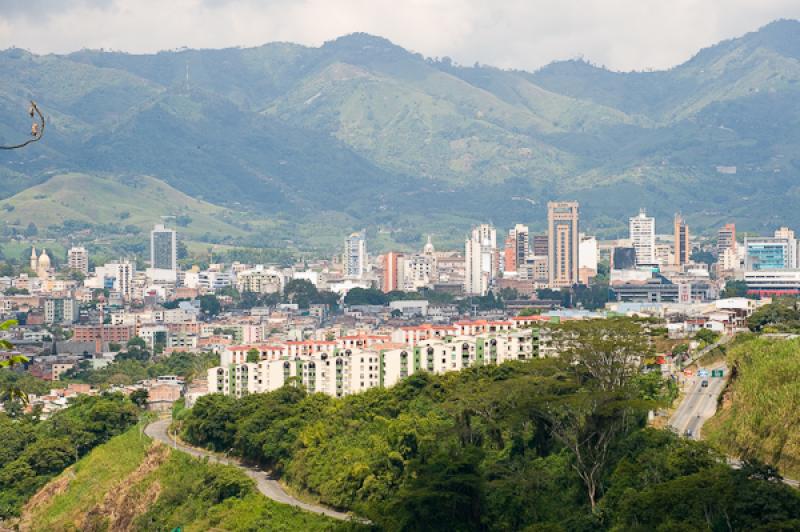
[[300, 292], [253, 355], [139, 397], [210, 305], [31, 230], [136, 342], [735, 289], [608, 350]]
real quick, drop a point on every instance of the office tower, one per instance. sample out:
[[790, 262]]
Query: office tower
[[78, 259], [643, 237], [767, 253], [480, 260], [355, 255], [683, 248], [788, 235], [521, 243], [390, 271], [540, 245], [563, 243], [726, 238], [163, 249], [510, 255]]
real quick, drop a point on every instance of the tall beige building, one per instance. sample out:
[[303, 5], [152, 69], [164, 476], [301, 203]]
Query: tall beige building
[[78, 259], [563, 243], [683, 247]]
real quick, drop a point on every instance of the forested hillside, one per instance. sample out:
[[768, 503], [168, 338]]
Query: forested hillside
[[540, 445], [307, 143]]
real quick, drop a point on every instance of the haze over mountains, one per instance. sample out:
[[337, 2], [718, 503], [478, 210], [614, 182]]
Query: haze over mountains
[[309, 143]]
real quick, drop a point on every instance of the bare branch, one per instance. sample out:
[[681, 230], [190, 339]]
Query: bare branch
[[37, 128]]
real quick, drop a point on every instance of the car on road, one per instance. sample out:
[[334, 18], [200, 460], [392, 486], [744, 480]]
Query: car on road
[[704, 384], [688, 433]]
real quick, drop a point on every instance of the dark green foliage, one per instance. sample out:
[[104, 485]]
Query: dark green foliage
[[782, 315], [34, 451], [210, 305], [735, 289]]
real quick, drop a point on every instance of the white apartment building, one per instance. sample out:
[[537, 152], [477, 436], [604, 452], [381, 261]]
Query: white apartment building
[[78, 259], [260, 280], [354, 258], [643, 237], [480, 252], [328, 368]]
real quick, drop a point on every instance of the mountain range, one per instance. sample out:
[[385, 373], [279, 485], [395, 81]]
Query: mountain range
[[287, 145]]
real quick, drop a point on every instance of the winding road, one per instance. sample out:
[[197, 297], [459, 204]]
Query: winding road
[[268, 486]]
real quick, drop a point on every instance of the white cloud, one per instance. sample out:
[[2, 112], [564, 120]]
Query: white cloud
[[621, 34]]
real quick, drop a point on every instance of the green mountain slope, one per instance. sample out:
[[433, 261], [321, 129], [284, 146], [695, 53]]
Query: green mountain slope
[[131, 483], [137, 201], [365, 133]]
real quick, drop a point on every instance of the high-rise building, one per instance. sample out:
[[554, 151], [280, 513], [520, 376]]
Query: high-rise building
[[354, 259], [120, 274], [788, 235], [517, 247], [683, 248], [563, 243], [767, 253], [78, 259], [540, 245], [510, 255], [390, 271], [480, 260], [726, 238], [163, 248], [643, 237]]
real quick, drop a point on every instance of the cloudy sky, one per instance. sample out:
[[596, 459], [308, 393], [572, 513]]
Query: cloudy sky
[[621, 34]]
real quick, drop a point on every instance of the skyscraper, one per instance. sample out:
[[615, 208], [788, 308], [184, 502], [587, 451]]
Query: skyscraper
[[726, 238], [163, 249], [683, 248], [390, 271], [78, 259], [563, 243], [516, 247], [355, 255], [643, 237], [480, 260]]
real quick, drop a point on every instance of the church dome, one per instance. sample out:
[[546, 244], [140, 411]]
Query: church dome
[[44, 261]]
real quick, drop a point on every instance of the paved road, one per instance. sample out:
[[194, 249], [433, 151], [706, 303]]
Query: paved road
[[271, 488], [699, 404]]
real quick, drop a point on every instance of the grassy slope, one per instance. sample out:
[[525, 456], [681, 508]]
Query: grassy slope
[[147, 486], [760, 414], [101, 199]]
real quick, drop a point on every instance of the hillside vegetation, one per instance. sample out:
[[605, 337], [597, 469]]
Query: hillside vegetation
[[313, 142], [539, 445], [759, 418], [34, 450], [131, 483]]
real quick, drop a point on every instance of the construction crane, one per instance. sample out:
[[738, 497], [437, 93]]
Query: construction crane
[[37, 128]]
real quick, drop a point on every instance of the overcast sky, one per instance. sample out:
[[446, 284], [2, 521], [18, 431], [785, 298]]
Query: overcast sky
[[620, 34]]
